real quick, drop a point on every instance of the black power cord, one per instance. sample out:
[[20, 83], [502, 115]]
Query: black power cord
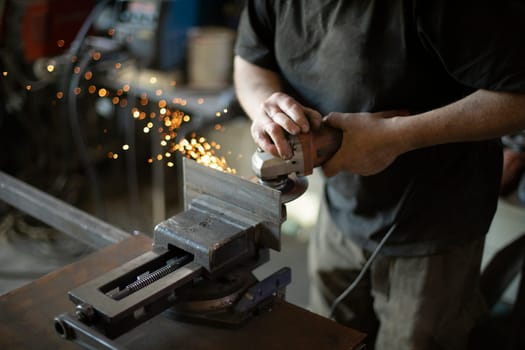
[[372, 257], [69, 82]]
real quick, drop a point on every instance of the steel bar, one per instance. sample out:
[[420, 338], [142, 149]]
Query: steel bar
[[60, 215], [70, 328]]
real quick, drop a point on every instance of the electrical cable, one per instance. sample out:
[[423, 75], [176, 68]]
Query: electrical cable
[[71, 98], [79, 139], [372, 257], [361, 274]]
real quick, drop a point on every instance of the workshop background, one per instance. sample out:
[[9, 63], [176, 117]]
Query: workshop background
[[102, 99]]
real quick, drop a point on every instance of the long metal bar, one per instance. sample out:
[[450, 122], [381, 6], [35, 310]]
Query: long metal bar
[[62, 216]]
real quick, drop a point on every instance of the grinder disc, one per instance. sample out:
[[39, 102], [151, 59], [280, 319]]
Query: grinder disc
[[291, 186]]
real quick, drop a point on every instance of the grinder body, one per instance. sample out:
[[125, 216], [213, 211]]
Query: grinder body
[[310, 150]]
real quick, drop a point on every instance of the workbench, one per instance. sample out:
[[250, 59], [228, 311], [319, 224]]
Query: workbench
[[26, 316]]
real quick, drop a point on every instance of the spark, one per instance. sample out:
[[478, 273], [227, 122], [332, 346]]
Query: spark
[[202, 152], [166, 122]]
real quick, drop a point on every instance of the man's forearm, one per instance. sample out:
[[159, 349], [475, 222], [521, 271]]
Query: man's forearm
[[253, 85], [481, 115]]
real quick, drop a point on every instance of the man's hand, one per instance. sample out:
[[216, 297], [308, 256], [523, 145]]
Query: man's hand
[[280, 114], [370, 142]]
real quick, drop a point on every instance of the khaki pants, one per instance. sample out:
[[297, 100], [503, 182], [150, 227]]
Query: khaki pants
[[413, 303]]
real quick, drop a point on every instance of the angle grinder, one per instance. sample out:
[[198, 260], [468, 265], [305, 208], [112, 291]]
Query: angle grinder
[[310, 150]]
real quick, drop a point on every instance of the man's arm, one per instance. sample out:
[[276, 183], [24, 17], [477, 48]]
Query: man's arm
[[370, 143], [260, 94]]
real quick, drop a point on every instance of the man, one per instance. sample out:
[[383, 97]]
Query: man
[[422, 90]]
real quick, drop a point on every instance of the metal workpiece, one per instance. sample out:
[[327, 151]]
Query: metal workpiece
[[253, 201], [58, 214]]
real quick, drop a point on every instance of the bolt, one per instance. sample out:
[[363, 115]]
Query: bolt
[[85, 313]]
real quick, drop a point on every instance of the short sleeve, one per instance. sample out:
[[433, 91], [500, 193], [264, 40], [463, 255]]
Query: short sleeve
[[256, 33], [480, 43]]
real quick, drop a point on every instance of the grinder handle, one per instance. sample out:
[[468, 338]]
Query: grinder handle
[[319, 146]]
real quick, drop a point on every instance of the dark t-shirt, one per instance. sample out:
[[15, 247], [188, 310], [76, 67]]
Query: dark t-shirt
[[365, 55]]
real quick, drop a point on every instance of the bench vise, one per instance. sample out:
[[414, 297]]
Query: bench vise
[[199, 269]]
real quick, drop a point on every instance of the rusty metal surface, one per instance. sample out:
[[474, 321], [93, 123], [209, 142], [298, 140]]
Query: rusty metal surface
[[26, 316]]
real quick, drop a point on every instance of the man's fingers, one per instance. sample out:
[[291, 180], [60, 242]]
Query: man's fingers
[[296, 113], [282, 103], [276, 133], [279, 117], [271, 138], [262, 140], [314, 117]]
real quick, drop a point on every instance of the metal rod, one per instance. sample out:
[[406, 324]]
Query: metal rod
[[62, 216]]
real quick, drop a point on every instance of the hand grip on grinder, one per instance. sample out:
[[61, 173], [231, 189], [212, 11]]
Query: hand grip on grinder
[[310, 150]]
